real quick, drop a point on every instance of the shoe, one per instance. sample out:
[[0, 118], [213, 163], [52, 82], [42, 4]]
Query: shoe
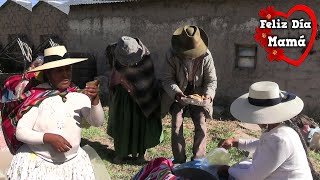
[[178, 162], [141, 160], [196, 159], [117, 160]]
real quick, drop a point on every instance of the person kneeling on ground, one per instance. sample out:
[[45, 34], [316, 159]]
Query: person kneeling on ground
[[281, 152]]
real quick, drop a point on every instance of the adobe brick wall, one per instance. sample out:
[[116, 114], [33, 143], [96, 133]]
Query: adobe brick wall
[[47, 20], [14, 19]]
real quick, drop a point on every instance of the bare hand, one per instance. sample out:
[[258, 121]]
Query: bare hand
[[115, 78], [228, 143], [92, 91], [208, 97], [127, 85], [58, 142], [178, 97]]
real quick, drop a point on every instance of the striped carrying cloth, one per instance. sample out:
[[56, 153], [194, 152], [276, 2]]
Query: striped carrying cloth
[[157, 169], [146, 91]]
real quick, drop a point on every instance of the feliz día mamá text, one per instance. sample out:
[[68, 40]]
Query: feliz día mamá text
[[274, 41]]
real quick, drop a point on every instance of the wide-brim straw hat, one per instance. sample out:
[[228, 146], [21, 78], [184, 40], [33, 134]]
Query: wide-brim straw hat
[[266, 104], [189, 41], [56, 56], [128, 51]]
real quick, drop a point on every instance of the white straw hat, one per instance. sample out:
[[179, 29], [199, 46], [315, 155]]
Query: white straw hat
[[56, 56], [266, 104]]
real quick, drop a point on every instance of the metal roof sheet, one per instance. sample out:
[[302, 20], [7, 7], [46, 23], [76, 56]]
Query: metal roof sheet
[[81, 2], [64, 5], [24, 3]]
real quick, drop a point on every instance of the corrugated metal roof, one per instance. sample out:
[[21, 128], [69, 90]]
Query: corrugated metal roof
[[24, 3], [62, 5], [81, 2]]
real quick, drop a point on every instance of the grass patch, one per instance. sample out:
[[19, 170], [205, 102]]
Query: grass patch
[[315, 158], [92, 132]]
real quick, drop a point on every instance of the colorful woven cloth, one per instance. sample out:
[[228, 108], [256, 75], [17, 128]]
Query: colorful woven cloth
[[8, 92], [157, 169], [13, 107]]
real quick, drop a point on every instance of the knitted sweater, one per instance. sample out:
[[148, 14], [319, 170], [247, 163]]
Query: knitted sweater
[[58, 117]]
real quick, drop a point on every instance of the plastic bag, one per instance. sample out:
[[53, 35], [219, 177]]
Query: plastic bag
[[100, 171], [217, 156], [196, 102]]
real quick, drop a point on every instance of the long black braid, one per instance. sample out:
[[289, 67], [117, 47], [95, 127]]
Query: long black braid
[[293, 124]]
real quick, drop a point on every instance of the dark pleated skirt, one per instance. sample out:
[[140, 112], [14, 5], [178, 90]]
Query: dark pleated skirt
[[132, 132]]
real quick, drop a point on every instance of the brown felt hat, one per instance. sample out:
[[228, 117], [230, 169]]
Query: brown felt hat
[[189, 41]]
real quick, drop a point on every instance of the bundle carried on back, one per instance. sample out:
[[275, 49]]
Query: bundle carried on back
[[14, 95]]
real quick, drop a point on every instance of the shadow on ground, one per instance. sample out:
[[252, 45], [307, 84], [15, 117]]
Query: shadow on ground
[[107, 154], [103, 150]]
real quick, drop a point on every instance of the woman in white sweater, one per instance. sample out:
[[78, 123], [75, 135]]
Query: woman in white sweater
[[279, 154], [51, 127]]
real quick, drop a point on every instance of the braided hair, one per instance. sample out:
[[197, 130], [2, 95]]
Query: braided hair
[[110, 54], [294, 123], [301, 120]]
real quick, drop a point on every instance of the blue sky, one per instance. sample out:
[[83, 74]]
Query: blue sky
[[33, 2]]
